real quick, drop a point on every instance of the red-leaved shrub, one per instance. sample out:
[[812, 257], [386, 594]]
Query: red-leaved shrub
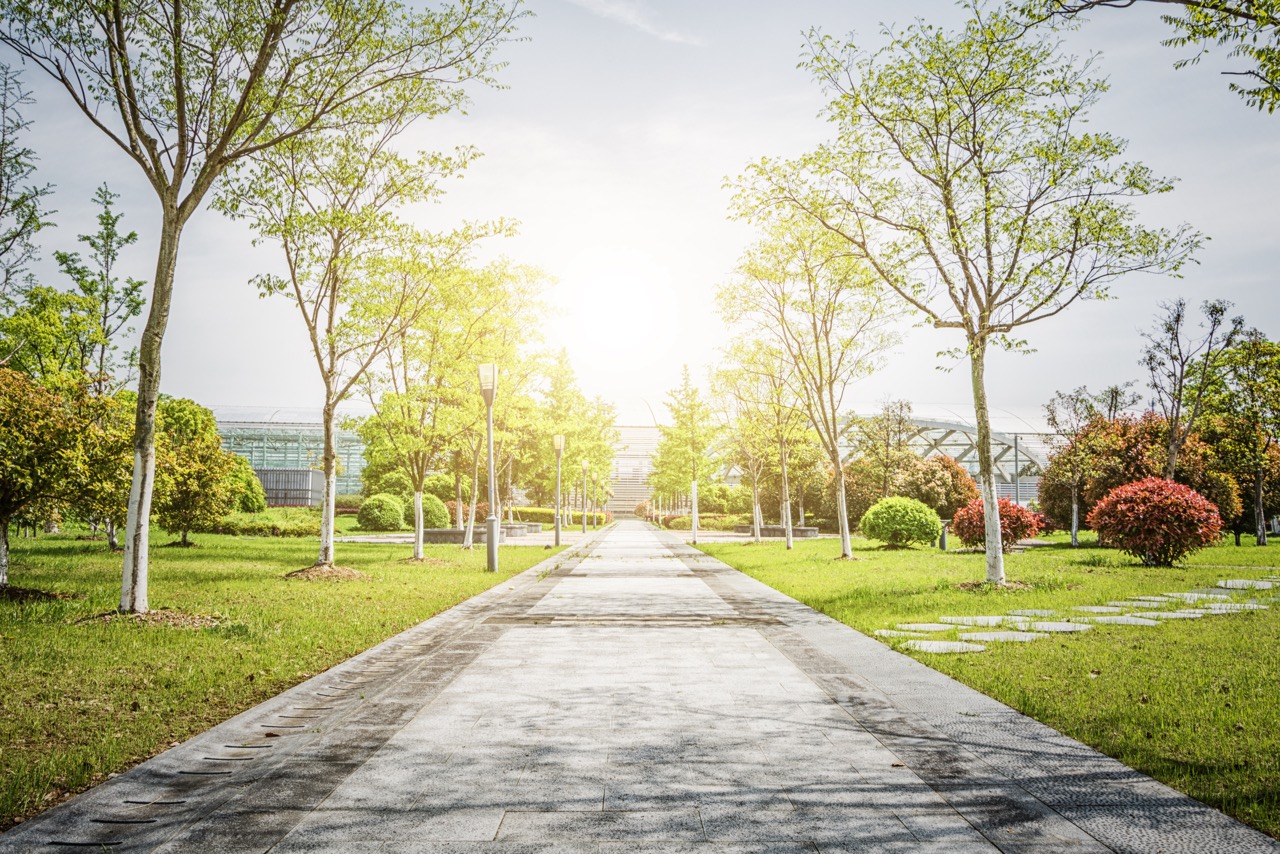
[[1157, 521], [1016, 523]]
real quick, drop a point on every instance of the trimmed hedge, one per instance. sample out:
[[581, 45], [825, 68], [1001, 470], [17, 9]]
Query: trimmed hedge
[[1157, 521], [706, 522], [901, 521], [277, 522], [1016, 523], [381, 512], [347, 502]]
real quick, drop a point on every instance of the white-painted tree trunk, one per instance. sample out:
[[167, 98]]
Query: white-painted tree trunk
[[786, 498], [693, 510], [4, 553], [417, 525], [986, 465], [1075, 514], [842, 514]]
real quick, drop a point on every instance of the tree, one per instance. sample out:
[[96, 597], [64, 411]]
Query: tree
[[800, 288], [1250, 404], [39, 450], [939, 482], [21, 200], [113, 303], [1250, 27], [359, 276], [422, 387], [883, 441], [1182, 370], [1075, 458], [962, 174], [742, 401], [101, 496], [188, 93], [196, 482], [683, 454]]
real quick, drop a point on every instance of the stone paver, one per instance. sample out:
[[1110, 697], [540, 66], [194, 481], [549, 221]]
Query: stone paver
[[633, 696]]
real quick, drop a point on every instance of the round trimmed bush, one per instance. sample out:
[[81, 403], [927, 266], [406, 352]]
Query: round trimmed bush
[[1016, 523], [901, 521], [1157, 521], [434, 513], [381, 512]]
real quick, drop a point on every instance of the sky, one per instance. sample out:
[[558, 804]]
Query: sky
[[610, 141]]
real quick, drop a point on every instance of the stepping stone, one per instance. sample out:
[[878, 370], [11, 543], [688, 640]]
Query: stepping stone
[[1202, 593], [926, 627], [890, 633], [1169, 615], [1227, 607], [1060, 627], [1130, 605], [1154, 598], [943, 646], [1033, 612], [1126, 620], [984, 621], [1246, 584], [1098, 609], [1018, 637]]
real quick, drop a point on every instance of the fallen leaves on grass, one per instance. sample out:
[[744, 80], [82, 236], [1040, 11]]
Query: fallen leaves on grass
[[158, 617], [984, 585], [327, 572]]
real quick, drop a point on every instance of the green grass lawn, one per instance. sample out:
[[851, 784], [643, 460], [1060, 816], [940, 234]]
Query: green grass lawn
[[87, 699], [1194, 703]]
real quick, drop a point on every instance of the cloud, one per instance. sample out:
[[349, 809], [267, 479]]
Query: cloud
[[632, 15]]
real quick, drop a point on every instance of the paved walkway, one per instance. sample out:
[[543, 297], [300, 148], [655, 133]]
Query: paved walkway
[[638, 696]]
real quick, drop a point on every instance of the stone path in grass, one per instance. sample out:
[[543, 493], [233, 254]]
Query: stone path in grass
[[1021, 626], [636, 696]]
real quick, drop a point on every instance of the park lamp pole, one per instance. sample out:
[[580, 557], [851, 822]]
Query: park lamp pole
[[557, 442], [489, 390], [585, 466]]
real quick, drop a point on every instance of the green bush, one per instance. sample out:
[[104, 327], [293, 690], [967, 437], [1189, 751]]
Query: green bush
[[547, 515], [381, 512], [441, 486], [706, 522], [395, 482], [434, 513], [901, 521], [250, 497], [347, 502]]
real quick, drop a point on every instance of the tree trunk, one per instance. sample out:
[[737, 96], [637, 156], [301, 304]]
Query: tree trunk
[[4, 552], [842, 513], [185, 538], [417, 525], [755, 511], [457, 494], [986, 466], [468, 539], [786, 497], [1259, 511], [800, 508], [693, 510], [133, 587], [329, 461], [112, 540], [1075, 514]]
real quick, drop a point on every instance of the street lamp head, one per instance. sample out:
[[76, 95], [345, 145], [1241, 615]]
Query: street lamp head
[[488, 382], [586, 464], [557, 442]]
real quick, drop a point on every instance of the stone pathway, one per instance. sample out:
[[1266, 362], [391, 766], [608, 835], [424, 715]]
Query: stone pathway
[[1019, 626], [635, 696]]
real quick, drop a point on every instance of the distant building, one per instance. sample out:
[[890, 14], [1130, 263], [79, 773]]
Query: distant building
[[293, 445], [632, 464]]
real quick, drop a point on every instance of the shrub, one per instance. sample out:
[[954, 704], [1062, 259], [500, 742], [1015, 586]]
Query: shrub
[[901, 521], [940, 482], [441, 486], [346, 502], [1157, 521], [1016, 523], [434, 513], [278, 522], [482, 510], [706, 522], [250, 497], [381, 512]]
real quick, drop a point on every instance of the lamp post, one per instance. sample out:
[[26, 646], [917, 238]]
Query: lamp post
[[557, 442], [488, 390], [585, 465]]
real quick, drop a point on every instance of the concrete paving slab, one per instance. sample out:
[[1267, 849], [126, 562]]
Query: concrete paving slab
[[1123, 620], [1059, 627], [1001, 637], [944, 646], [985, 620], [632, 696], [1246, 584]]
